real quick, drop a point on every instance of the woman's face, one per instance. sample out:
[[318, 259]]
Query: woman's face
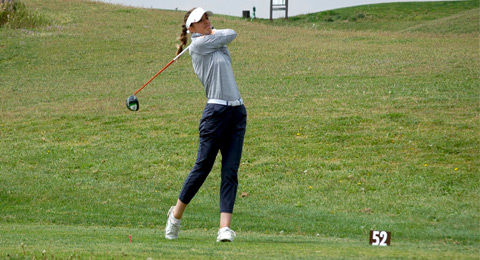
[[203, 26]]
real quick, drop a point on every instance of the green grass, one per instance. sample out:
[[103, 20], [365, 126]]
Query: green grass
[[433, 17], [94, 242], [349, 129]]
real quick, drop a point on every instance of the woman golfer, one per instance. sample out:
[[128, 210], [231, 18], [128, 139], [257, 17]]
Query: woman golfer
[[223, 123]]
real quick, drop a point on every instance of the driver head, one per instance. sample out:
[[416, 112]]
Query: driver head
[[132, 103]]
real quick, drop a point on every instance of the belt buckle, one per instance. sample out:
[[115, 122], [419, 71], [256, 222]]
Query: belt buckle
[[234, 103]]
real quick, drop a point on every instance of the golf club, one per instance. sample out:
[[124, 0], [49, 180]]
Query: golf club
[[132, 101]]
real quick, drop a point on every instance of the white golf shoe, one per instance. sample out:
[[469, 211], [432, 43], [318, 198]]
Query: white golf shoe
[[172, 228], [225, 234]]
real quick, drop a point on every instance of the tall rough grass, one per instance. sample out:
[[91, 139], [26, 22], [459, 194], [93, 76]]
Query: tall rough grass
[[14, 14]]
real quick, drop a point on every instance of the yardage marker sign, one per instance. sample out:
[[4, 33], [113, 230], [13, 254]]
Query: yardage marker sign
[[380, 238]]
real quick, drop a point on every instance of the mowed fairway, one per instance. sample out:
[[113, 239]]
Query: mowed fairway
[[352, 127]]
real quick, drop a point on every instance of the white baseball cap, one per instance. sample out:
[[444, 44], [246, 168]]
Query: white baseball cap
[[196, 16]]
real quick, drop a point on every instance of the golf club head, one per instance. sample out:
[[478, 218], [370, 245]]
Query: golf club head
[[132, 103]]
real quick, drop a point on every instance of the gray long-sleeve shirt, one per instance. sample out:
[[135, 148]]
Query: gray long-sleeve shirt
[[213, 65]]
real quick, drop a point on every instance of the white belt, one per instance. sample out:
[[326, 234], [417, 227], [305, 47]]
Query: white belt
[[235, 103]]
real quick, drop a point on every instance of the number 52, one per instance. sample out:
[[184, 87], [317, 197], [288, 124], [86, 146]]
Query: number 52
[[379, 238]]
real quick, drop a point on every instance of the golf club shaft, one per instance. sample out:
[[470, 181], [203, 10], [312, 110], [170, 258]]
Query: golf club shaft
[[158, 73]]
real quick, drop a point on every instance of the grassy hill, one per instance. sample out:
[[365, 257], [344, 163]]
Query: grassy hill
[[354, 126], [435, 17]]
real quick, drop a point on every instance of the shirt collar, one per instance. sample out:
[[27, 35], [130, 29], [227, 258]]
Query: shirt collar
[[196, 35]]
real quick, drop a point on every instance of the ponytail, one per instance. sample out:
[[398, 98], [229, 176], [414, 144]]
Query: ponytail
[[183, 39], [183, 35]]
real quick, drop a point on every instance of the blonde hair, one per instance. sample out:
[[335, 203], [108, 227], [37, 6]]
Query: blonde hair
[[183, 35]]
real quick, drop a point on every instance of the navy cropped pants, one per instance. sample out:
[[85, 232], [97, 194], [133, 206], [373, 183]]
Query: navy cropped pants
[[222, 128]]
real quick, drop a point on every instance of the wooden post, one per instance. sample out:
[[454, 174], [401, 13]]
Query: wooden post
[[286, 9], [271, 10]]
